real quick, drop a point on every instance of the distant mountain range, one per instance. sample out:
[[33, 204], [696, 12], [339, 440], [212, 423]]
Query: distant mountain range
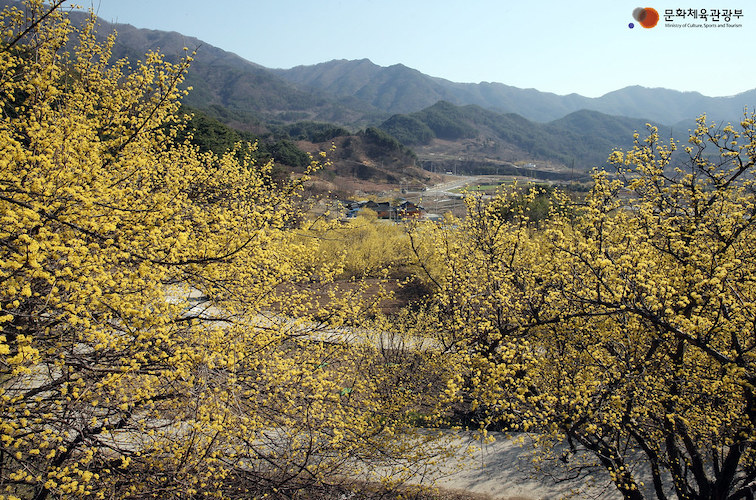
[[360, 93], [399, 89], [417, 108]]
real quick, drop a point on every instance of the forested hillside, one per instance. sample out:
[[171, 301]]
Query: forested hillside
[[582, 139]]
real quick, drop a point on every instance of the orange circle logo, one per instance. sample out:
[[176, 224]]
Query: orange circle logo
[[648, 17]]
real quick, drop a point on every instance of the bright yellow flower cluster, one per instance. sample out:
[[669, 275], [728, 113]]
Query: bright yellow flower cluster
[[155, 337], [624, 323]]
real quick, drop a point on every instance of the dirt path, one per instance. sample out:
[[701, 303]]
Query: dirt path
[[504, 470]]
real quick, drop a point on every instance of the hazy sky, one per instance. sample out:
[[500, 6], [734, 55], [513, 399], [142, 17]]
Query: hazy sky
[[583, 46]]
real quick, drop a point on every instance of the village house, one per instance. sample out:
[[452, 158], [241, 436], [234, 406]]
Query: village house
[[384, 209]]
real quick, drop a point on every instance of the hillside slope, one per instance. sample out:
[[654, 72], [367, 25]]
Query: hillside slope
[[581, 140]]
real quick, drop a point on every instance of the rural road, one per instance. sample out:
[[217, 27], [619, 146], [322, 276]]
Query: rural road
[[447, 188]]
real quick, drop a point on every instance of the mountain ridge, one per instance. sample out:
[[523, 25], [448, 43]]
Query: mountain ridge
[[656, 104], [361, 93], [582, 139]]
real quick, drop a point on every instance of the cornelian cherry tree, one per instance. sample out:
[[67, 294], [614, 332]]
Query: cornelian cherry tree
[[625, 325], [154, 340]]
